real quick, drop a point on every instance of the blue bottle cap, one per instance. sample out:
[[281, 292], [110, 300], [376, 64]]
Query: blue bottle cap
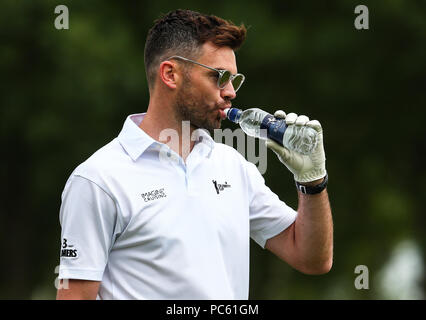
[[232, 114]]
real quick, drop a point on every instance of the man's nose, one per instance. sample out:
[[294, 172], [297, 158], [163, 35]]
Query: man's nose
[[228, 92]]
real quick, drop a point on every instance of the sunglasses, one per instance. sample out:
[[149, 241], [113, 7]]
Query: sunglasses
[[224, 75]]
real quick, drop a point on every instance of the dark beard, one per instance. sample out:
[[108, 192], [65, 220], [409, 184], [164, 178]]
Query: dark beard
[[188, 109]]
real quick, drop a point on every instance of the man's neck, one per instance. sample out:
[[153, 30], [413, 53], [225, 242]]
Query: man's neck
[[163, 126]]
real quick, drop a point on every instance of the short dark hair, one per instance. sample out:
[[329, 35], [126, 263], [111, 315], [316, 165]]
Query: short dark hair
[[183, 32]]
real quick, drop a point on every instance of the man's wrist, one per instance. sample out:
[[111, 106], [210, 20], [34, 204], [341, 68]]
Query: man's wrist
[[313, 187]]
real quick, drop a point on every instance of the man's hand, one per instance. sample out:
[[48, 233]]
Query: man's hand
[[306, 168], [307, 244]]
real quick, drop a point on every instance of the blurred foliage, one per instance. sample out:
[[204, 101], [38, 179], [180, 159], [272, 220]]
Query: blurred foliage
[[66, 93]]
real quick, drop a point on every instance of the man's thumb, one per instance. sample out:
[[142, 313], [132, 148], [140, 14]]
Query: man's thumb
[[278, 149]]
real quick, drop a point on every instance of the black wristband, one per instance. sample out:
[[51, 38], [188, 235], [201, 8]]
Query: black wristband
[[312, 189]]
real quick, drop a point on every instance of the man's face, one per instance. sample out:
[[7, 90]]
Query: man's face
[[199, 99]]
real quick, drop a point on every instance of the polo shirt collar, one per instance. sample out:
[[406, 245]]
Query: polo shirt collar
[[132, 138], [136, 141]]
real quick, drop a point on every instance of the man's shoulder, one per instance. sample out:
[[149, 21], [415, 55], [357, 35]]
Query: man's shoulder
[[102, 161]]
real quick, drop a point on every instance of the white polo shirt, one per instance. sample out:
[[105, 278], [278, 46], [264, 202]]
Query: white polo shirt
[[154, 229]]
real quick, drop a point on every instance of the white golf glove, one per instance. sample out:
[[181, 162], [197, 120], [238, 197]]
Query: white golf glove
[[306, 168]]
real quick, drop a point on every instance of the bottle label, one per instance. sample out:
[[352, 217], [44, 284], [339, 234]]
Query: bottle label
[[275, 128]]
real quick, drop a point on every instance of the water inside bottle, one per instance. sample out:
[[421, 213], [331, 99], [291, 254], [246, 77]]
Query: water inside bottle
[[251, 121]]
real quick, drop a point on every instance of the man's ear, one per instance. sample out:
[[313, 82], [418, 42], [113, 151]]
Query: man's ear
[[169, 74]]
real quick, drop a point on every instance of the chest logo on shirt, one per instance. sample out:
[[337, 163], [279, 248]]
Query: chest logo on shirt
[[220, 187], [154, 195]]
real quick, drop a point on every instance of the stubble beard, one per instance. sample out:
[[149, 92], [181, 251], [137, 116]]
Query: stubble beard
[[189, 108]]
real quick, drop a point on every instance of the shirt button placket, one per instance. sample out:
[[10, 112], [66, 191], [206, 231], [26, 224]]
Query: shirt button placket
[[191, 187]]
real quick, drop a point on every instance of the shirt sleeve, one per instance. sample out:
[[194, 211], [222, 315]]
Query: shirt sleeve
[[88, 218], [268, 214]]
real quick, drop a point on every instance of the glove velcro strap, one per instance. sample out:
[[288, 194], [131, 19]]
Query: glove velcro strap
[[310, 176]]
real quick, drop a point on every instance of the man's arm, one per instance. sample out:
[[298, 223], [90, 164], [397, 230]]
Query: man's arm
[[307, 245], [74, 289], [88, 218]]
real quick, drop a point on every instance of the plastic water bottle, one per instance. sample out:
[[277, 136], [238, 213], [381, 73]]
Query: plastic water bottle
[[301, 139]]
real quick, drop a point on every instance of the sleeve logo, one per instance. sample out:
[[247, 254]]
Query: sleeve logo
[[68, 250]]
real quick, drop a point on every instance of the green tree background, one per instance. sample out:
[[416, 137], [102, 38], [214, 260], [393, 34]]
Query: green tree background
[[66, 93]]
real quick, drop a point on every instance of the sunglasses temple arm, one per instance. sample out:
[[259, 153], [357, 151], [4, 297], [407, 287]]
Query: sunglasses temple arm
[[189, 60]]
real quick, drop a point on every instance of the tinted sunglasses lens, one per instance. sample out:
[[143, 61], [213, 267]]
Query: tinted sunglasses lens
[[237, 82], [223, 80]]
